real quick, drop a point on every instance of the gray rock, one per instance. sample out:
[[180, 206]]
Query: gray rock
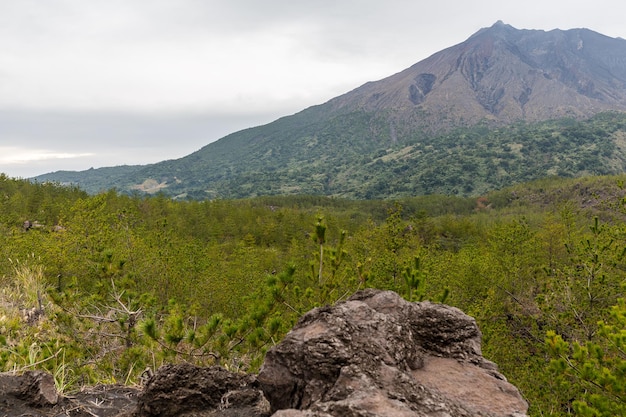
[[378, 355]]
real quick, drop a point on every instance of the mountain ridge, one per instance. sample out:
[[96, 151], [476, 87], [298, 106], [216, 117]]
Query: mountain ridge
[[469, 60], [498, 77]]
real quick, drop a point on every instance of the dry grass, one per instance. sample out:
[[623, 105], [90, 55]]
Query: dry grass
[[25, 289]]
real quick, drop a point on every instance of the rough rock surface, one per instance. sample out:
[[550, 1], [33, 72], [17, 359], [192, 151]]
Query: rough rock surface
[[186, 390], [377, 354], [373, 355], [35, 389], [34, 394]]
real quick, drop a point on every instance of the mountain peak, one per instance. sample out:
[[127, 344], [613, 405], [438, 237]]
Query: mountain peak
[[500, 25], [498, 29]]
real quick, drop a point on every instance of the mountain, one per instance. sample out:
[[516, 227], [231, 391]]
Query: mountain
[[502, 74], [504, 106]]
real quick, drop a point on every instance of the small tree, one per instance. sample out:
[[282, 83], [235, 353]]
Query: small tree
[[599, 366], [320, 238], [414, 280]]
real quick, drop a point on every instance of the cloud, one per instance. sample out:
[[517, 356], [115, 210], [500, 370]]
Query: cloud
[[230, 56], [16, 155]]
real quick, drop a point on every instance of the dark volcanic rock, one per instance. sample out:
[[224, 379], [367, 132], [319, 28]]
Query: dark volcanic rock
[[34, 394], [186, 390], [377, 354], [175, 390], [35, 389]]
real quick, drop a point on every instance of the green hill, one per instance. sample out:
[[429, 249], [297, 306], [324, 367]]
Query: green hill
[[293, 157]]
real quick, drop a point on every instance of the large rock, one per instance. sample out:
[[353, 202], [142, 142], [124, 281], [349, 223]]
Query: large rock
[[379, 355]]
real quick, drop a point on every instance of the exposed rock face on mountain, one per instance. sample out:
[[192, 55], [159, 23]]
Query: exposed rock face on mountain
[[503, 74], [373, 355]]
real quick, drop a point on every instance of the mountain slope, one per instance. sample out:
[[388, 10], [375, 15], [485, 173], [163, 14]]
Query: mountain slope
[[390, 137], [502, 74]]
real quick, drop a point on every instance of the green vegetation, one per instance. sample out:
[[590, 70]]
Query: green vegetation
[[370, 156], [97, 288]]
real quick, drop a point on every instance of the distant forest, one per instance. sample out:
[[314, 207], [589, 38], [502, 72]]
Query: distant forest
[[353, 157]]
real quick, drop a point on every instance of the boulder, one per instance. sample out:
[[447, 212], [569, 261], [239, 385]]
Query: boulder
[[379, 355]]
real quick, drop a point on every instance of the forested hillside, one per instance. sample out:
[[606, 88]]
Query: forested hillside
[[97, 288], [357, 157]]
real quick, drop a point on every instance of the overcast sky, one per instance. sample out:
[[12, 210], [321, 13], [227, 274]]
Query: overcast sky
[[92, 83]]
